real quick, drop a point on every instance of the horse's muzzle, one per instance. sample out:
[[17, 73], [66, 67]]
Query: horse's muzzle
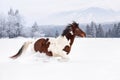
[[83, 35]]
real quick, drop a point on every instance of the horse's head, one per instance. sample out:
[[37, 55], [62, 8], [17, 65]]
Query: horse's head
[[73, 29], [76, 30]]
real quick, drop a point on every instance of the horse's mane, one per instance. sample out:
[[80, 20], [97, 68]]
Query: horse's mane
[[66, 30]]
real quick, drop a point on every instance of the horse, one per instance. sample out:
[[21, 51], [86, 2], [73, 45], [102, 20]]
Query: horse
[[56, 47]]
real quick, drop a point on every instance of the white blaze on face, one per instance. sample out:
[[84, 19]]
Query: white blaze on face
[[57, 45], [71, 32]]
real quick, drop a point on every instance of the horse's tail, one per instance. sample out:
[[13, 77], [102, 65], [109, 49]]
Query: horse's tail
[[22, 49]]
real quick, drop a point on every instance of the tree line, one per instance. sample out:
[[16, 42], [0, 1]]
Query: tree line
[[13, 25], [93, 30]]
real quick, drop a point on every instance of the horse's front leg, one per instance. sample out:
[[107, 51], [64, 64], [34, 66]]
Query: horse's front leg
[[63, 55]]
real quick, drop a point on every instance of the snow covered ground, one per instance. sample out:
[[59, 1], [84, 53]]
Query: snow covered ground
[[90, 59]]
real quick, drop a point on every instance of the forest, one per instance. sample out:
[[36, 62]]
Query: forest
[[13, 25]]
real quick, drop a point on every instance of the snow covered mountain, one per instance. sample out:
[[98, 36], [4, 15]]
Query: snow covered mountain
[[86, 15]]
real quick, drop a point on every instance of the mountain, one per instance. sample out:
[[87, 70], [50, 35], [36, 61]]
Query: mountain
[[85, 16]]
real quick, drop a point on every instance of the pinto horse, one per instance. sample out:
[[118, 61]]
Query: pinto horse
[[56, 47]]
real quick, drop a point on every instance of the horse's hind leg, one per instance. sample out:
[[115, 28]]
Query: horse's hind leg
[[38, 45]]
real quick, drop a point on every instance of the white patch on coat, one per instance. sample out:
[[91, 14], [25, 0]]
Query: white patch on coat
[[71, 32], [57, 45]]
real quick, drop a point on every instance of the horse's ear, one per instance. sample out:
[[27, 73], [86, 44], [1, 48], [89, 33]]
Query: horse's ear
[[74, 22], [70, 26]]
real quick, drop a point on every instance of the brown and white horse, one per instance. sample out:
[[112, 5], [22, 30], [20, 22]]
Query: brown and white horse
[[56, 47]]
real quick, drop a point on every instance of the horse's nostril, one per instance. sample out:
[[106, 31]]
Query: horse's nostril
[[83, 35]]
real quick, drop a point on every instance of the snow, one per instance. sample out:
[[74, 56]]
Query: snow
[[90, 59]]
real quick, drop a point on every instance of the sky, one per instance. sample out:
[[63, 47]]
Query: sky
[[34, 10]]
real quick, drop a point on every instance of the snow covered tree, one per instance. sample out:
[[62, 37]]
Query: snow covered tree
[[118, 30], [88, 31], [14, 24], [109, 33], [93, 29], [11, 12], [35, 31], [114, 31], [2, 26], [99, 32], [56, 34], [18, 24]]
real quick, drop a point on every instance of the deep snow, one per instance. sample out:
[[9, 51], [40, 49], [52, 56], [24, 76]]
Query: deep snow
[[90, 59]]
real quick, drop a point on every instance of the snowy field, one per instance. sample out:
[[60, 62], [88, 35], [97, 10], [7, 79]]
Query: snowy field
[[90, 59]]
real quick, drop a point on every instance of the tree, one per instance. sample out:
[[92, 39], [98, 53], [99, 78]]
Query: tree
[[35, 31], [109, 33], [118, 30], [19, 23], [11, 12], [99, 31], [56, 34], [14, 24], [2, 26], [88, 31], [114, 31], [93, 29]]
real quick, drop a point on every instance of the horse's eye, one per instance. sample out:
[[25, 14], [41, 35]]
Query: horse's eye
[[77, 29], [70, 28]]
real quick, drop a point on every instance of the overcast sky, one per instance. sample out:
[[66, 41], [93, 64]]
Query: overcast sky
[[34, 9]]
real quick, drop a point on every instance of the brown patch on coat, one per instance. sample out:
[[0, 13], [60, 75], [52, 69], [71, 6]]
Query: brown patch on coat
[[42, 45], [67, 49]]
